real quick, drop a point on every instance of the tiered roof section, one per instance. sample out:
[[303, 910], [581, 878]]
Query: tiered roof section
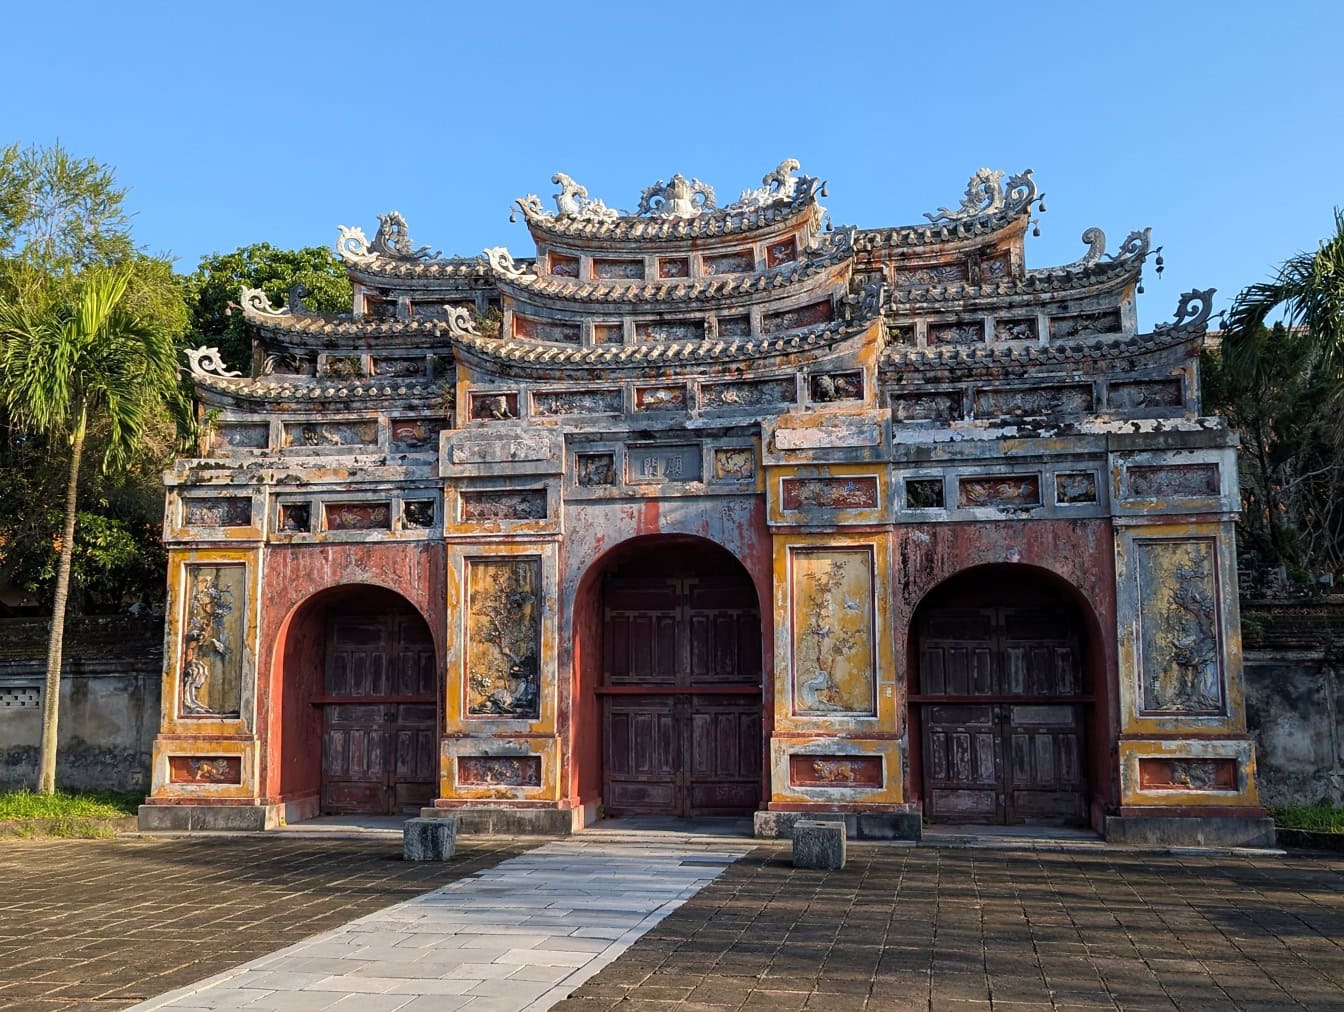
[[942, 321]]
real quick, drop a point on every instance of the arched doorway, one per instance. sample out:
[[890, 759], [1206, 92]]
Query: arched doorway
[[680, 687], [1001, 698], [361, 718]]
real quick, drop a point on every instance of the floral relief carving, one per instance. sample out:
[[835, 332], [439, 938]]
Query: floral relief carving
[[504, 632], [832, 632]]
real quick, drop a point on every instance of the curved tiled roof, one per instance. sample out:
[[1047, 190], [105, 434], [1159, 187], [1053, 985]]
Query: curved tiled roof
[[1071, 279], [1010, 360], [513, 353], [711, 223], [450, 269], [679, 290], [306, 390]]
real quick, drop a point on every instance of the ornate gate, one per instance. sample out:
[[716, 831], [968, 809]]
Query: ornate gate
[[379, 732], [681, 697], [1003, 713]]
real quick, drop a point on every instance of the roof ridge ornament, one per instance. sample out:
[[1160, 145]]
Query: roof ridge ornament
[[206, 361], [256, 301], [986, 194], [679, 197], [502, 263], [778, 186], [1192, 313], [392, 241], [572, 202]]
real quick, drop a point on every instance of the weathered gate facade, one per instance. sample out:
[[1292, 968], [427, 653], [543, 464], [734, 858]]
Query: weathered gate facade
[[688, 507]]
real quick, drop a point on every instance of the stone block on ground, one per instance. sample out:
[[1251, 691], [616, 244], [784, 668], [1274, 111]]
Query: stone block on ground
[[819, 844], [429, 839]]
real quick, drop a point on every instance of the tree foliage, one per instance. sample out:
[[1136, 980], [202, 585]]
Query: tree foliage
[[1282, 388], [86, 358], [60, 213], [212, 291]]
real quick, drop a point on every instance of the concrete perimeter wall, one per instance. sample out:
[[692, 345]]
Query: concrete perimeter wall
[[1294, 663], [109, 701]]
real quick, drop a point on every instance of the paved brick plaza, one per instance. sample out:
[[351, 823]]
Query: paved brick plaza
[[101, 924], [974, 929]]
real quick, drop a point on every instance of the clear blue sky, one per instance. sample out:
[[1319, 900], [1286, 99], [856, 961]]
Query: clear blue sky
[[1219, 124]]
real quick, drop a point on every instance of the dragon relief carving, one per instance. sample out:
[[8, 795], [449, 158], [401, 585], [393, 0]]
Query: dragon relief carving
[[986, 193], [677, 198]]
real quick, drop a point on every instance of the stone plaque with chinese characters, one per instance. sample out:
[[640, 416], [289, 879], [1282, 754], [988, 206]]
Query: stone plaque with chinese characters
[[658, 464]]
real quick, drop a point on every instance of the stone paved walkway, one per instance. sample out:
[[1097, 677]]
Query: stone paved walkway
[[955, 929], [521, 935], [102, 924]]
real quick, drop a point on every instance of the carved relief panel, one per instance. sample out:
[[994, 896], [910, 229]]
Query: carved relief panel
[[832, 632], [1179, 649], [212, 650], [504, 604]]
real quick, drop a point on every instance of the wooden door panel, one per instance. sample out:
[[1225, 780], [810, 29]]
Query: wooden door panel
[[666, 750], [379, 757], [961, 762], [642, 755]]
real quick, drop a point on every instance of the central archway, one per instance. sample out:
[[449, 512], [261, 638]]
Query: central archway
[[673, 669]]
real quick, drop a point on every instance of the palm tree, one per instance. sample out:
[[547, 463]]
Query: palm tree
[[1309, 288], [77, 361]]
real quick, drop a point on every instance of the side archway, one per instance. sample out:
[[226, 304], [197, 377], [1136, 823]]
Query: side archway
[[356, 667], [1006, 667]]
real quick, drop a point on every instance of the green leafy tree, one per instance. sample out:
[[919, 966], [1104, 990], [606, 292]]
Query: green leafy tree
[[85, 359], [212, 291], [1282, 387]]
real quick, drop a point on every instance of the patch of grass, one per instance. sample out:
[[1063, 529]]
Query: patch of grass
[[1321, 817], [63, 805]]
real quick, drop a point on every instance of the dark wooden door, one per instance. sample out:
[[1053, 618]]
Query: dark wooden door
[[380, 740], [1003, 713], [681, 697]]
